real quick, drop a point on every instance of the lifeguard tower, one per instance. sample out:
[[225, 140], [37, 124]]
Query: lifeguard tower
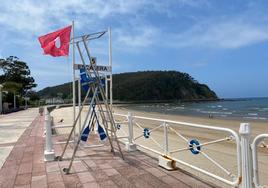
[[95, 80]]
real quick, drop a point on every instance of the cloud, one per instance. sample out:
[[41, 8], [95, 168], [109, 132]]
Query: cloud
[[228, 34], [28, 19], [22, 16], [138, 37], [38, 16], [23, 21]]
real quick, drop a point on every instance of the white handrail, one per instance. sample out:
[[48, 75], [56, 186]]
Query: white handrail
[[254, 145], [234, 135]]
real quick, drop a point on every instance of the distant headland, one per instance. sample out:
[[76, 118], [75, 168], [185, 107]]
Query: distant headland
[[146, 86]]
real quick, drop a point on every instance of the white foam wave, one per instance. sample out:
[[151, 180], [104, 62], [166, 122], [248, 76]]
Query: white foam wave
[[216, 112], [263, 109], [255, 118], [252, 114]]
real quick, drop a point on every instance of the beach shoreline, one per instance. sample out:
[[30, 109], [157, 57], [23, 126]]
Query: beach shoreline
[[247, 109], [227, 118]]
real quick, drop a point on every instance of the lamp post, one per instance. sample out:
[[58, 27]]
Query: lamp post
[[1, 104]]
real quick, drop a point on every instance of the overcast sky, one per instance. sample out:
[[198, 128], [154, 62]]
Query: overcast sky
[[220, 43]]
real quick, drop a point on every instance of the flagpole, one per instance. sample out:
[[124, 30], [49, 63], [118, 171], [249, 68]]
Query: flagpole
[[110, 64], [73, 57]]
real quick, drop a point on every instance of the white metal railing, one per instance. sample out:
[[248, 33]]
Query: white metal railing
[[193, 145], [254, 146], [246, 157]]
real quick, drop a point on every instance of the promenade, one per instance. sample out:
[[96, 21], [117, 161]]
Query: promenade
[[11, 128], [98, 167]]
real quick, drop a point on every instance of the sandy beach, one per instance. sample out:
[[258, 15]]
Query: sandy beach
[[223, 153]]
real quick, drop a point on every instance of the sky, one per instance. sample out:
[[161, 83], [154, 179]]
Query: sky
[[223, 44]]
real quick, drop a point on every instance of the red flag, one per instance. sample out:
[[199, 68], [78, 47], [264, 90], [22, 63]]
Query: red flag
[[48, 42]]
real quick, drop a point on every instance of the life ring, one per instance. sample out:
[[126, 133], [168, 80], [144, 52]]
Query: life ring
[[118, 126], [194, 146], [146, 133]]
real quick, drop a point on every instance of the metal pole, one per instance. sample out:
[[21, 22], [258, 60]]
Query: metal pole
[[79, 102], [74, 114], [67, 170], [244, 132], [1, 107], [110, 64], [106, 86]]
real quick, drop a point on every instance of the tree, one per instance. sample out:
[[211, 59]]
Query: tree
[[17, 71], [33, 95], [12, 87]]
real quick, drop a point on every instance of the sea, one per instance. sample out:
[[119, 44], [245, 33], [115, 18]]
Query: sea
[[242, 108]]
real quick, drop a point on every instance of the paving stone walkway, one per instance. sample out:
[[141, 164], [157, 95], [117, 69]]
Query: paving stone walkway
[[11, 128], [93, 167]]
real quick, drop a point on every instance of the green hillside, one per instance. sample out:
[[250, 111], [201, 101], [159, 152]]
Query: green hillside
[[146, 85]]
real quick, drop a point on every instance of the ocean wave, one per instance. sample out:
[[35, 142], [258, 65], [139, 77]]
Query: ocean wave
[[216, 112], [146, 106], [255, 118], [179, 107], [252, 114], [263, 109], [175, 108]]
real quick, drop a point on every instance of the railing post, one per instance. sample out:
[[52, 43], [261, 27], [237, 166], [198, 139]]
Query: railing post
[[49, 153], [244, 132], [130, 146], [165, 138], [163, 160]]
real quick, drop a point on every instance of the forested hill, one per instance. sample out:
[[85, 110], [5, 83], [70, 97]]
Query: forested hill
[[147, 85]]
